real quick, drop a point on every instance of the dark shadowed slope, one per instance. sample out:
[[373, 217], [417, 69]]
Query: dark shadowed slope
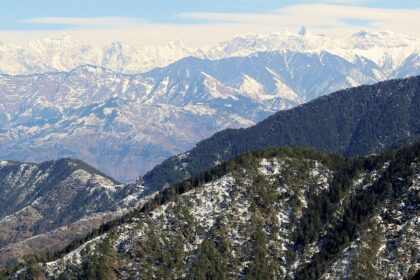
[[356, 121]]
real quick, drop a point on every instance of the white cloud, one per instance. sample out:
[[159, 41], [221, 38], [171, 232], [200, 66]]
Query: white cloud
[[329, 19], [86, 22]]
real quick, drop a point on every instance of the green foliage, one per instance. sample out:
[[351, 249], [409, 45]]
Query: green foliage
[[364, 260], [96, 264], [262, 265], [32, 270], [210, 263], [212, 257]]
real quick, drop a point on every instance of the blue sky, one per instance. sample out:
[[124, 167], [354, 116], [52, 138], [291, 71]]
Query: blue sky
[[102, 20]]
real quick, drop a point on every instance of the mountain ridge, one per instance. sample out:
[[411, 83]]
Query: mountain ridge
[[332, 132]]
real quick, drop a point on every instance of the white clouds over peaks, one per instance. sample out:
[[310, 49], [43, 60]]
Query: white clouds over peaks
[[200, 29]]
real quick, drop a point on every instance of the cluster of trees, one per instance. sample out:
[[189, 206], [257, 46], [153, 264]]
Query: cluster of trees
[[212, 257], [364, 260], [160, 256], [97, 263], [358, 211]]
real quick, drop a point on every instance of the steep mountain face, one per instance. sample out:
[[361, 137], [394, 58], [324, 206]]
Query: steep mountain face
[[271, 77], [357, 121], [40, 198], [126, 124], [271, 214]]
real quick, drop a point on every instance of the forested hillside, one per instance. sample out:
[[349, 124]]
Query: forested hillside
[[358, 121], [271, 214]]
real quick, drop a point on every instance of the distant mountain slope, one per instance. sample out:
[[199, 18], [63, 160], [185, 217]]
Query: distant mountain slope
[[126, 124], [39, 198], [270, 77], [271, 214], [356, 121]]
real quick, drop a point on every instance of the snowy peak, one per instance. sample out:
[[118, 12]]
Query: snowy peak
[[91, 70], [302, 31], [380, 39], [64, 53], [306, 41], [177, 44], [54, 43]]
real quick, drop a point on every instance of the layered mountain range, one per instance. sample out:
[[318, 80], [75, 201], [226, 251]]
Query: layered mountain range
[[67, 203], [232, 206], [124, 124]]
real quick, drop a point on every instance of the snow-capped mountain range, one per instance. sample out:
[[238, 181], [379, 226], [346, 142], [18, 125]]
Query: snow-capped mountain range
[[65, 53], [126, 123]]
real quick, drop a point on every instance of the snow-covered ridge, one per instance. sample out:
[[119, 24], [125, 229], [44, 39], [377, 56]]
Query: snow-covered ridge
[[224, 197], [65, 53]]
